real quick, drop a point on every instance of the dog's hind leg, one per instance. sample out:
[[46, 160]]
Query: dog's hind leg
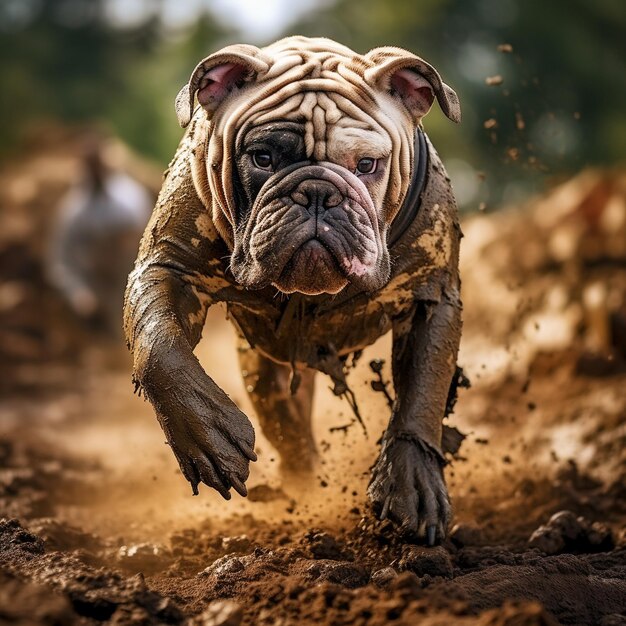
[[285, 418]]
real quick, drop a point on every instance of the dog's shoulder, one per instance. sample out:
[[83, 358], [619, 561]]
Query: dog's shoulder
[[181, 232], [427, 255]]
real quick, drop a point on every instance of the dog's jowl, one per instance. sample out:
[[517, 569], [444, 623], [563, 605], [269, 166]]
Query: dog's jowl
[[306, 196]]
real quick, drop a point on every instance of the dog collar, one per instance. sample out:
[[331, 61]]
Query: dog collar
[[411, 205]]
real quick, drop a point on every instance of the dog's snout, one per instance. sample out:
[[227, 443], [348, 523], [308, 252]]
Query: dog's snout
[[317, 195]]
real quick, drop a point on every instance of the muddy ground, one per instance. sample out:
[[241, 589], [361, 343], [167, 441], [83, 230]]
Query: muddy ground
[[100, 527]]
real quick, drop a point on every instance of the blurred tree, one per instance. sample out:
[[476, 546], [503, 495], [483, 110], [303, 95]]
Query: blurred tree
[[145, 116], [61, 60], [560, 105], [64, 60]]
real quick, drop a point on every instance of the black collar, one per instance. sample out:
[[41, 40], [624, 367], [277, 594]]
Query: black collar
[[413, 200]]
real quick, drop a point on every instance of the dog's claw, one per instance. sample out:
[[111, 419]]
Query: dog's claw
[[239, 487], [431, 535], [248, 451], [385, 509]]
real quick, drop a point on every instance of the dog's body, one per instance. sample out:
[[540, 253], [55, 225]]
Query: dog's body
[[292, 178]]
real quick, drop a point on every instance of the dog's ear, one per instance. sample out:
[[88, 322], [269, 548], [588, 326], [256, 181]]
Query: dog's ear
[[414, 81], [217, 76]]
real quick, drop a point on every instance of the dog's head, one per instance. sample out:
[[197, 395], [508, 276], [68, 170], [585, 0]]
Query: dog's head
[[309, 156]]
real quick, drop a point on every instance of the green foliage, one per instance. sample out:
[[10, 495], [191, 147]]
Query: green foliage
[[62, 60]]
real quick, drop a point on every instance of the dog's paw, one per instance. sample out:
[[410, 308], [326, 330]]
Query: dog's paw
[[408, 487], [213, 449]]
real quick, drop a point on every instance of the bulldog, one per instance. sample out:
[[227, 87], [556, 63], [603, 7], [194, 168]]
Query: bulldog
[[306, 196]]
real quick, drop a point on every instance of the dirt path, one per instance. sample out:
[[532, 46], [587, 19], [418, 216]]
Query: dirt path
[[115, 534]]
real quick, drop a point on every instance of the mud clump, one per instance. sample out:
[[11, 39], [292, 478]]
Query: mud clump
[[17, 541], [427, 561], [226, 566], [219, 613], [322, 545], [342, 573], [382, 577], [83, 590], [565, 532]]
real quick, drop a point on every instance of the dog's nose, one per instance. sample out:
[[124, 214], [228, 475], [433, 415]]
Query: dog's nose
[[317, 195]]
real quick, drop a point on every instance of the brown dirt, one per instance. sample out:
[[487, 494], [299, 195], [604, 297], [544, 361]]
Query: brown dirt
[[100, 527]]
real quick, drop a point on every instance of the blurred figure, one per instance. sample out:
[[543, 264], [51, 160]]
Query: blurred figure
[[99, 225]]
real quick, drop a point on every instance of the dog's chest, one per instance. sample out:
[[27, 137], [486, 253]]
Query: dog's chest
[[317, 331]]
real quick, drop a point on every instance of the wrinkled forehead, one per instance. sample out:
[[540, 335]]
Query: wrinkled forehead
[[308, 46], [329, 123], [320, 88]]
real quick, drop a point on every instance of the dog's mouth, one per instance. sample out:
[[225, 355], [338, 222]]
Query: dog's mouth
[[312, 269], [312, 230]]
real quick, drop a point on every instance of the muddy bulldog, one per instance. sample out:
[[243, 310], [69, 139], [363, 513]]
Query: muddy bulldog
[[306, 196]]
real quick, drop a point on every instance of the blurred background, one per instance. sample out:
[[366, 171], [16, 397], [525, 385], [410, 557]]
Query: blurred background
[[537, 165], [555, 103]]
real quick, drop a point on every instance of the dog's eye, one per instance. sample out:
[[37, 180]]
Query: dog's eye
[[366, 165], [262, 160]]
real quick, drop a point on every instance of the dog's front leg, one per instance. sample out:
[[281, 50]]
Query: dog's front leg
[[211, 438], [178, 274], [407, 484]]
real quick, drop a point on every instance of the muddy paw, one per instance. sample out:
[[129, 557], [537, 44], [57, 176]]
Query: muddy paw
[[213, 449], [408, 487]]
